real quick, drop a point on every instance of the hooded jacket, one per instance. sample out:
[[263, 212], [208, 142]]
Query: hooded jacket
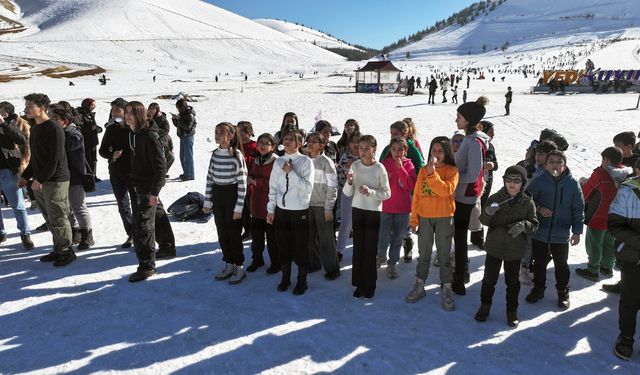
[[186, 122], [291, 191], [11, 139], [599, 191], [260, 171], [624, 221], [470, 162], [74, 146], [499, 243], [433, 194], [148, 165], [563, 196]]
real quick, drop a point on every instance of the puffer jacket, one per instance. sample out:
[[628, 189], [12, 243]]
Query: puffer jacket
[[499, 243], [563, 196], [624, 221], [599, 191]]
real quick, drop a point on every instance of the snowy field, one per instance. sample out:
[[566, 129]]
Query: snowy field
[[87, 318]]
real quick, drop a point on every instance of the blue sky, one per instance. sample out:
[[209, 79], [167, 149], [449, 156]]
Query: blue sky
[[372, 23]]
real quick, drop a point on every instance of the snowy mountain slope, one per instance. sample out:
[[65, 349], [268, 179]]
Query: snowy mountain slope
[[533, 24], [187, 35], [304, 33]]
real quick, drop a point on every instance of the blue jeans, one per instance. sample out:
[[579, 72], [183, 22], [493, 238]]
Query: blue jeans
[[392, 229], [9, 184], [186, 155]]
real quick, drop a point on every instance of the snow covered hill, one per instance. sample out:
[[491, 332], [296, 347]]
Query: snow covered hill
[[532, 25], [304, 33], [169, 36]]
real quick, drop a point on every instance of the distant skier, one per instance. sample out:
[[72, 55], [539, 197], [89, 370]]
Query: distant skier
[[508, 97]]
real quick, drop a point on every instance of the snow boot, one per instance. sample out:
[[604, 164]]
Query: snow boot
[[417, 292], [483, 312], [64, 258], [535, 295], [391, 271], [301, 285], [237, 276], [27, 244], [447, 299], [76, 235], [141, 274], [86, 239], [563, 298]]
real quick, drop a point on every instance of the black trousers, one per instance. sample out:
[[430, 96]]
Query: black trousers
[[260, 228], [246, 214], [151, 225], [492, 267], [461, 222], [292, 234], [629, 299], [506, 107], [432, 97], [125, 195], [91, 155], [366, 226], [542, 253], [229, 230]]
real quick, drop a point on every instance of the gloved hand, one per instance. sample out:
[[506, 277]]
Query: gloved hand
[[515, 229], [492, 208]]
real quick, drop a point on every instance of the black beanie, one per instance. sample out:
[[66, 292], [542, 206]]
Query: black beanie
[[516, 170], [614, 155], [547, 134], [473, 112]]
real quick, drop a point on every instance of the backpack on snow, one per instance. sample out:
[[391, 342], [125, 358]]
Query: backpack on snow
[[189, 207]]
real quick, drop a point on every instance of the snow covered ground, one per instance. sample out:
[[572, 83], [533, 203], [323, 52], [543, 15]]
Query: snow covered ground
[[87, 318]]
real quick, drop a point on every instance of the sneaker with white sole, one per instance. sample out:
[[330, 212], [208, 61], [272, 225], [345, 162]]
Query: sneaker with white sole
[[391, 271], [417, 292], [238, 275], [525, 276], [226, 272], [447, 298], [380, 261]]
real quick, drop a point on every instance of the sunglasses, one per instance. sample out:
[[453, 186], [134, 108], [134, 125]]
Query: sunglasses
[[513, 180]]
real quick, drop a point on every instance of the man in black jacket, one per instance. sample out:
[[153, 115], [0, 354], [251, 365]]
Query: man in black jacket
[[185, 121], [48, 167], [10, 159]]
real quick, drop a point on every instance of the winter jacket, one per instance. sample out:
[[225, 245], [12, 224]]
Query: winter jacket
[[148, 165], [325, 185], [445, 85], [88, 127], [11, 138], [433, 86], [599, 191], [74, 146], [186, 122], [508, 96], [499, 243], [413, 153], [624, 221], [48, 158], [250, 152], [401, 181], [433, 194], [260, 171], [376, 179], [563, 196], [291, 191], [470, 162], [116, 138]]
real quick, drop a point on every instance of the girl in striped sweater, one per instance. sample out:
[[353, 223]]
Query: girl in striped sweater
[[225, 193]]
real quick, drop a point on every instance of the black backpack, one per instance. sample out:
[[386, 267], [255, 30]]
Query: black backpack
[[189, 207]]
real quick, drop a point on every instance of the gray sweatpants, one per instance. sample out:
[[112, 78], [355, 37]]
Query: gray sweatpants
[[322, 245], [79, 211], [440, 231]]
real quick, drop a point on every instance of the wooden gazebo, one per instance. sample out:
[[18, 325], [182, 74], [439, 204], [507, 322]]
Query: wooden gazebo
[[378, 77]]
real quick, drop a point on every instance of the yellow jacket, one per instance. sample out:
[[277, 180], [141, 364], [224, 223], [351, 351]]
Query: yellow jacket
[[433, 195]]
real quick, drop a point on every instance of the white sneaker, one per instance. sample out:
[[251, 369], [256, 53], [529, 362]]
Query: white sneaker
[[417, 292], [525, 276], [391, 271], [238, 275], [226, 272], [447, 298]]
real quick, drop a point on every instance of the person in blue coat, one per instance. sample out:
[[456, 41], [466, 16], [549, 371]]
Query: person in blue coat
[[560, 207]]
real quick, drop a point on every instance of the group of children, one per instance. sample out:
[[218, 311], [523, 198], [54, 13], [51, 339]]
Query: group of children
[[298, 185]]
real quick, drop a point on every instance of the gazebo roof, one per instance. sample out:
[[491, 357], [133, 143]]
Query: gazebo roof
[[373, 66]]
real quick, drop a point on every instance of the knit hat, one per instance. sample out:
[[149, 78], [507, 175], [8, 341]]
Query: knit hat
[[614, 154], [560, 141], [516, 170], [472, 112], [547, 134]]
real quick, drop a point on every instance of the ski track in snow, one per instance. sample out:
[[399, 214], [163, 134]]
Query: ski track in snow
[[86, 318]]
